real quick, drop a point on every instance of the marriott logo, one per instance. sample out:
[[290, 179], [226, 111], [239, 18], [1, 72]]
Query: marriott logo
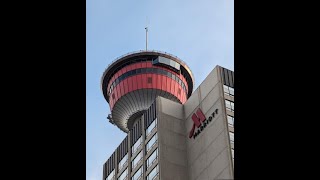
[[200, 121]]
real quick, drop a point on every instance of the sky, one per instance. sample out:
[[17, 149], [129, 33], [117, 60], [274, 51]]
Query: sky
[[200, 32]]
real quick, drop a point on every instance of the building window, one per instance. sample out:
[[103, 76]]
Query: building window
[[155, 61], [136, 145], [124, 175], [123, 162], [177, 65], [151, 142], [137, 175], [148, 70], [151, 127], [154, 173], [229, 105], [164, 60], [232, 153], [168, 62], [230, 120], [152, 158], [111, 176], [136, 160], [228, 90], [231, 134]]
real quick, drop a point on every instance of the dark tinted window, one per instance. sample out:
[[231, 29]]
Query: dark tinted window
[[173, 76], [148, 70], [161, 71], [156, 71], [155, 61]]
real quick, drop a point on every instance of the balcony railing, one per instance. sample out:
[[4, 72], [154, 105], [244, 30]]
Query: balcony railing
[[134, 52]]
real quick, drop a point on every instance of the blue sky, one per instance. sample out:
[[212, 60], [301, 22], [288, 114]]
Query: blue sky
[[200, 32]]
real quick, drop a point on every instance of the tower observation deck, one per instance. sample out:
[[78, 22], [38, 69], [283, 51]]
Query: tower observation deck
[[133, 81]]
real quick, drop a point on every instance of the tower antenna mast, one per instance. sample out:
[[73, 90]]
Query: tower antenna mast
[[146, 38], [146, 28]]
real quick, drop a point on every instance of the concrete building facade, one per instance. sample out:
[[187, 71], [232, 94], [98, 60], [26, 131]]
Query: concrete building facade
[[174, 140]]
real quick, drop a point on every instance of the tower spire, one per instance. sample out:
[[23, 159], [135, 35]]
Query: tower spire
[[146, 28], [146, 37]]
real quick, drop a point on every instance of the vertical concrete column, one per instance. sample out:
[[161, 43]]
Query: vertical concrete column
[[143, 147], [129, 155], [158, 109], [116, 170]]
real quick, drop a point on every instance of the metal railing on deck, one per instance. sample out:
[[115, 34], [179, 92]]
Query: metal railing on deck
[[134, 52]]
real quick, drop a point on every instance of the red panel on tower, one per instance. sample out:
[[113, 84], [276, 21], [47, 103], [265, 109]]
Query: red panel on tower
[[163, 83], [139, 65], [125, 85], [143, 64], [116, 93], [149, 64], [129, 67], [181, 91], [124, 69], [158, 81], [134, 83], [144, 81], [173, 84], [176, 90], [139, 81], [121, 89], [154, 81], [181, 97], [168, 84], [149, 81], [130, 82]]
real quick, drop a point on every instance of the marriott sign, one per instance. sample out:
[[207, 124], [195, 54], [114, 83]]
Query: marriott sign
[[200, 121]]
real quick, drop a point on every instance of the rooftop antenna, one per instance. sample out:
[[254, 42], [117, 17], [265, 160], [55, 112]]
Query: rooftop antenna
[[146, 28], [146, 38]]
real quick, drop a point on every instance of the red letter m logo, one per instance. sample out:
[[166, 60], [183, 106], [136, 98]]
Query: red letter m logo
[[197, 118]]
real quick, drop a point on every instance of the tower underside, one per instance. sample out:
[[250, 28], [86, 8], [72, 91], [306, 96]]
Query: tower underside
[[132, 105]]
